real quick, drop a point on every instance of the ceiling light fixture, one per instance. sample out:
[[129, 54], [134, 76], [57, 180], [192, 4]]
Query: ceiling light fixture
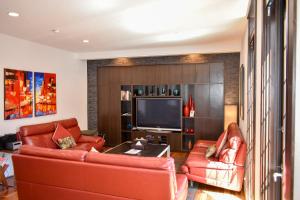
[[13, 14], [85, 41], [56, 30]]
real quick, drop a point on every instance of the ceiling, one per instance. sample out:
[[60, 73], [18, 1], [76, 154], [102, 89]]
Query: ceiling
[[116, 25]]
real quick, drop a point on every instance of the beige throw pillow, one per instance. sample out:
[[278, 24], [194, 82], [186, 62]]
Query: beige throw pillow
[[67, 142], [210, 151]]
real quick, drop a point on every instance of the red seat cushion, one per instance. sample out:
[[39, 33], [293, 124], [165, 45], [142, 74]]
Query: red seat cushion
[[60, 133], [220, 143]]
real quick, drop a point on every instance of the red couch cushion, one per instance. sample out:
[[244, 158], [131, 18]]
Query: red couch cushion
[[200, 161], [60, 133], [221, 142], [75, 155]]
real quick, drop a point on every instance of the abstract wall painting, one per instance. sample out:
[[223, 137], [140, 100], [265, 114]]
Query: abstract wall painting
[[18, 94], [45, 93]]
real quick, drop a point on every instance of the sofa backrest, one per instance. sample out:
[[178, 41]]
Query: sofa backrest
[[101, 176], [74, 155], [41, 134], [38, 135]]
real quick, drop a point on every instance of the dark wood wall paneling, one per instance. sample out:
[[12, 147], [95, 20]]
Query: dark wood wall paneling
[[216, 76]]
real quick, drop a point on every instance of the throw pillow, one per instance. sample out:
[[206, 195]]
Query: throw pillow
[[210, 151], [94, 150], [60, 133], [220, 143], [67, 142]]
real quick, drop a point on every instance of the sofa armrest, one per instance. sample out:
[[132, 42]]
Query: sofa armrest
[[89, 139], [182, 187], [204, 143]]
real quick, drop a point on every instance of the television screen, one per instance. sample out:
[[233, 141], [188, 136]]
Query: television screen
[[159, 113]]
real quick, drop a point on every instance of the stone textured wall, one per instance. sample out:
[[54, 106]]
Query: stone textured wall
[[92, 96], [231, 74]]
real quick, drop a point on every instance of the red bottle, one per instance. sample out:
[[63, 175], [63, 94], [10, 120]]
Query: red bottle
[[186, 110]]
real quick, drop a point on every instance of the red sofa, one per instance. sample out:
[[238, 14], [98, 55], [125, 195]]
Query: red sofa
[[47, 174], [226, 172], [40, 135]]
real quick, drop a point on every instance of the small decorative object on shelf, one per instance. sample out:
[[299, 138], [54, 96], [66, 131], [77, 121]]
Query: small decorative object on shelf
[[191, 131], [129, 126], [176, 92], [186, 110], [190, 144], [192, 110], [187, 130], [140, 92], [125, 95]]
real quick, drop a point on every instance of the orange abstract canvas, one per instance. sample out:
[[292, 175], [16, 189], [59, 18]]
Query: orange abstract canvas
[[45, 93], [18, 94]]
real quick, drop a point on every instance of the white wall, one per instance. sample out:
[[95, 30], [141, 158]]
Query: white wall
[[71, 75]]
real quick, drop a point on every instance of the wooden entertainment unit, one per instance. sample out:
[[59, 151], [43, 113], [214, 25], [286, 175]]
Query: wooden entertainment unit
[[204, 82]]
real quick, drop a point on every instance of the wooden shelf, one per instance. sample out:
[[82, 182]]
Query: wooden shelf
[[126, 131], [188, 134], [126, 115]]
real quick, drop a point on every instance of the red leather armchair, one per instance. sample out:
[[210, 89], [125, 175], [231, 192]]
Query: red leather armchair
[[44, 173], [226, 171], [41, 135]]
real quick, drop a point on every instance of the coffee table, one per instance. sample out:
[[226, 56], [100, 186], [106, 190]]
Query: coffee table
[[150, 150]]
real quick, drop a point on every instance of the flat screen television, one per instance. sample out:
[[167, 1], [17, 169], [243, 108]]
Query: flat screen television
[[159, 113]]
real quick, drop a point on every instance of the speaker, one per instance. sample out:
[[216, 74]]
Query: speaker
[[8, 138]]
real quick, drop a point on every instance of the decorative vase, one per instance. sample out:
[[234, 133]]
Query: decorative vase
[[186, 110], [190, 103]]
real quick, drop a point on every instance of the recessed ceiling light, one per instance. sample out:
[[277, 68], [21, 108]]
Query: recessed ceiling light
[[13, 14], [56, 30], [85, 41]]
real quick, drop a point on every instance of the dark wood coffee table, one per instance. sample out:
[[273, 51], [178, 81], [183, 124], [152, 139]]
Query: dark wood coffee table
[[150, 150]]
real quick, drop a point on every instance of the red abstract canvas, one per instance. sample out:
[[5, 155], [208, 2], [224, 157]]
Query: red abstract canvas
[[45, 93], [17, 94]]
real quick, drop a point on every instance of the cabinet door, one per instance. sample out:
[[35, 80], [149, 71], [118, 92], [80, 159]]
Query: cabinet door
[[216, 73], [202, 100], [161, 74], [175, 74], [188, 73], [216, 100], [103, 110], [103, 75], [202, 73], [138, 75], [125, 75], [115, 115]]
